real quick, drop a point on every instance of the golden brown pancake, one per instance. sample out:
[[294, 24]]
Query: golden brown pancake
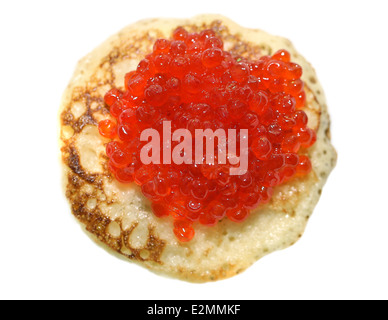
[[119, 216]]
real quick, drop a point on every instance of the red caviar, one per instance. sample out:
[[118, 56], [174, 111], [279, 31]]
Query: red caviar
[[192, 82]]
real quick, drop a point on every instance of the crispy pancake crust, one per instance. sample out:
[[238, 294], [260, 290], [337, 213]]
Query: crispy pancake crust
[[120, 218]]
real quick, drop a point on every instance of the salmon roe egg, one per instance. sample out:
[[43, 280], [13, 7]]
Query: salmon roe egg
[[191, 81]]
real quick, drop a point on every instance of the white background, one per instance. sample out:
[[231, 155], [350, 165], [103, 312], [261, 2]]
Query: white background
[[43, 252]]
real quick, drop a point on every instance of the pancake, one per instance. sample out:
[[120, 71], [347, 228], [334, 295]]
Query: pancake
[[120, 218]]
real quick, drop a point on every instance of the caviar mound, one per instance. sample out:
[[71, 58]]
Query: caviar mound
[[190, 81], [118, 215]]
